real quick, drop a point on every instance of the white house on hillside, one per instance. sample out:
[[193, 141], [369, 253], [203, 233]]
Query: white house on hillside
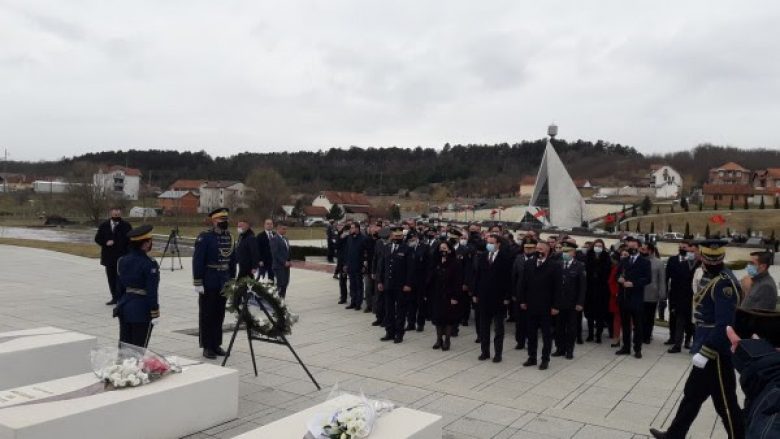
[[216, 194], [118, 180], [666, 181]]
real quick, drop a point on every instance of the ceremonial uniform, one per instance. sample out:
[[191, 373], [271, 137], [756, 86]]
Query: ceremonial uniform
[[396, 273], [572, 295], [213, 263], [138, 279], [712, 375], [418, 309]]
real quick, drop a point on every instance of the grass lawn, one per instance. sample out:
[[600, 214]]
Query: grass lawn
[[76, 249], [764, 220]]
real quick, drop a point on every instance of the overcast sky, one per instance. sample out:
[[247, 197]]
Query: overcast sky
[[232, 76]]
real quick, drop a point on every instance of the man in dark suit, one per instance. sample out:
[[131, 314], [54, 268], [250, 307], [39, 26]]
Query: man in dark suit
[[518, 268], [354, 266], [570, 301], [247, 251], [264, 249], [417, 311], [679, 278], [395, 280], [280, 252], [634, 273], [112, 238], [377, 262], [493, 281], [541, 285], [330, 236]]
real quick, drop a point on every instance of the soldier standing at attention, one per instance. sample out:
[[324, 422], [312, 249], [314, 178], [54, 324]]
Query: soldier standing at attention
[[394, 281], [712, 376], [137, 283], [213, 264], [570, 301]]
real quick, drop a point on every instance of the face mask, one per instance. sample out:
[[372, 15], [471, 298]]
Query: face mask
[[223, 225], [240, 230], [116, 218], [540, 255], [752, 270], [566, 257], [453, 241], [690, 256], [463, 242], [632, 251], [398, 240], [412, 244], [683, 252], [598, 250], [406, 232], [490, 247]]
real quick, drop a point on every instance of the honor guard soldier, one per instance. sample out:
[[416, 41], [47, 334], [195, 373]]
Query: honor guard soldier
[[138, 278], [395, 280], [714, 304], [213, 265]]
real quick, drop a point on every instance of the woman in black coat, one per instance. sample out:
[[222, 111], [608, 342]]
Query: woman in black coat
[[446, 290], [598, 266]]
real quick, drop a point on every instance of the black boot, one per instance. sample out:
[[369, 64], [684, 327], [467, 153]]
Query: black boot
[[439, 341], [447, 333]]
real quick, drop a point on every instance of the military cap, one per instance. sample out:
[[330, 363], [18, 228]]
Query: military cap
[[529, 242], [568, 245], [221, 212], [140, 233], [713, 250], [454, 233]]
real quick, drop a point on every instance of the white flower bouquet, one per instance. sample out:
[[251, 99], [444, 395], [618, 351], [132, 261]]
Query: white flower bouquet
[[354, 420], [130, 366]]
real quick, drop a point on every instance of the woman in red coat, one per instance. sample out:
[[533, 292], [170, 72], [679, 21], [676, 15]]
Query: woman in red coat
[[447, 289], [614, 310]]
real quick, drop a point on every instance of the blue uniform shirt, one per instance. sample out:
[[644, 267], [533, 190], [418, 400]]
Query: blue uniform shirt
[[137, 283], [214, 261], [715, 305]]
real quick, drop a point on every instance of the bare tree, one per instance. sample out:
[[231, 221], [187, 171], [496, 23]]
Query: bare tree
[[86, 198], [270, 191]]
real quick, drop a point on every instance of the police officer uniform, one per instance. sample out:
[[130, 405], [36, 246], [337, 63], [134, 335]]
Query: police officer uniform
[[572, 295], [712, 376], [138, 279], [213, 263], [396, 275]]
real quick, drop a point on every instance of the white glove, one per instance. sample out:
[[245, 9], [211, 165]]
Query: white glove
[[700, 361], [200, 290]]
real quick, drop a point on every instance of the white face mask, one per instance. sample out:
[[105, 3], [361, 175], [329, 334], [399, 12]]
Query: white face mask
[[598, 250], [240, 230], [463, 242]]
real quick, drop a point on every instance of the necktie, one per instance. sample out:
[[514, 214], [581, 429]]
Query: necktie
[[394, 248], [492, 257]]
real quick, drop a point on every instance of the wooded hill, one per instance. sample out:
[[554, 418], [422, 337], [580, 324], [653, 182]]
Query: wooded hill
[[466, 170]]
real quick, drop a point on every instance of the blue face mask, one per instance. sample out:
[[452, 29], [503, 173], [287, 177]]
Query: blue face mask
[[690, 256], [566, 257], [490, 247], [752, 270]]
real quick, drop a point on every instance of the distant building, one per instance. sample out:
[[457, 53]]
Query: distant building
[[216, 194], [728, 182], [118, 180], [666, 181], [527, 184], [178, 202], [52, 187], [18, 182], [315, 213], [188, 185], [352, 203]]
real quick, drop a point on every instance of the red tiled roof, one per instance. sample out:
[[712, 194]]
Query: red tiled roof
[[128, 171], [315, 211], [730, 166], [728, 189], [183, 184], [346, 198], [773, 172]]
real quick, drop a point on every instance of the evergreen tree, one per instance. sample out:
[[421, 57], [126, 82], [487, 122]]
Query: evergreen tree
[[762, 205], [672, 208], [633, 210], [715, 207], [707, 231], [652, 226], [638, 227], [777, 202], [687, 233], [728, 231], [395, 212], [646, 205], [701, 206], [336, 213], [657, 210], [731, 204], [750, 232], [669, 228], [746, 206], [684, 203]]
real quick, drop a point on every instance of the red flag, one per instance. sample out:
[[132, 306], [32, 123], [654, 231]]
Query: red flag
[[609, 218], [718, 219], [540, 214]]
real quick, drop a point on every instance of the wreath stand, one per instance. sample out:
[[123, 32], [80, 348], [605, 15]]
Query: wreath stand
[[246, 318]]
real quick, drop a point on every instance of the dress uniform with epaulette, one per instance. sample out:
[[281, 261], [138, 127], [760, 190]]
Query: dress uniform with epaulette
[[138, 279], [213, 265], [396, 278], [712, 376]]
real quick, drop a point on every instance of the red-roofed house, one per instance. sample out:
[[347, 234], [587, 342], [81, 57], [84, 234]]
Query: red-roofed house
[[178, 202], [118, 180], [188, 185], [728, 182]]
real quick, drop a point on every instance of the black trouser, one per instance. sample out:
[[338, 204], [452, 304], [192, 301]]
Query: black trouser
[[672, 322], [578, 329], [648, 320], [566, 328], [396, 304], [682, 325], [331, 251], [111, 277], [134, 333], [535, 323], [379, 305], [369, 291], [521, 326], [716, 380], [496, 318], [415, 315], [265, 270], [342, 286], [356, 288], [212, 315], [464, 319], [627, 318], [661, 309], [597, 324]]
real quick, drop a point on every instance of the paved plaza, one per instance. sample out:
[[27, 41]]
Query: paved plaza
[[596, 395]]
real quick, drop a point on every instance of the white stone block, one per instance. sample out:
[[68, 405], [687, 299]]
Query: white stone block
[[200, 397], [42, 354], [401, 423]]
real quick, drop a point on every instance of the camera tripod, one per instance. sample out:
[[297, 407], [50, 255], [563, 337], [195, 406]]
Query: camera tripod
[[173, 246]]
